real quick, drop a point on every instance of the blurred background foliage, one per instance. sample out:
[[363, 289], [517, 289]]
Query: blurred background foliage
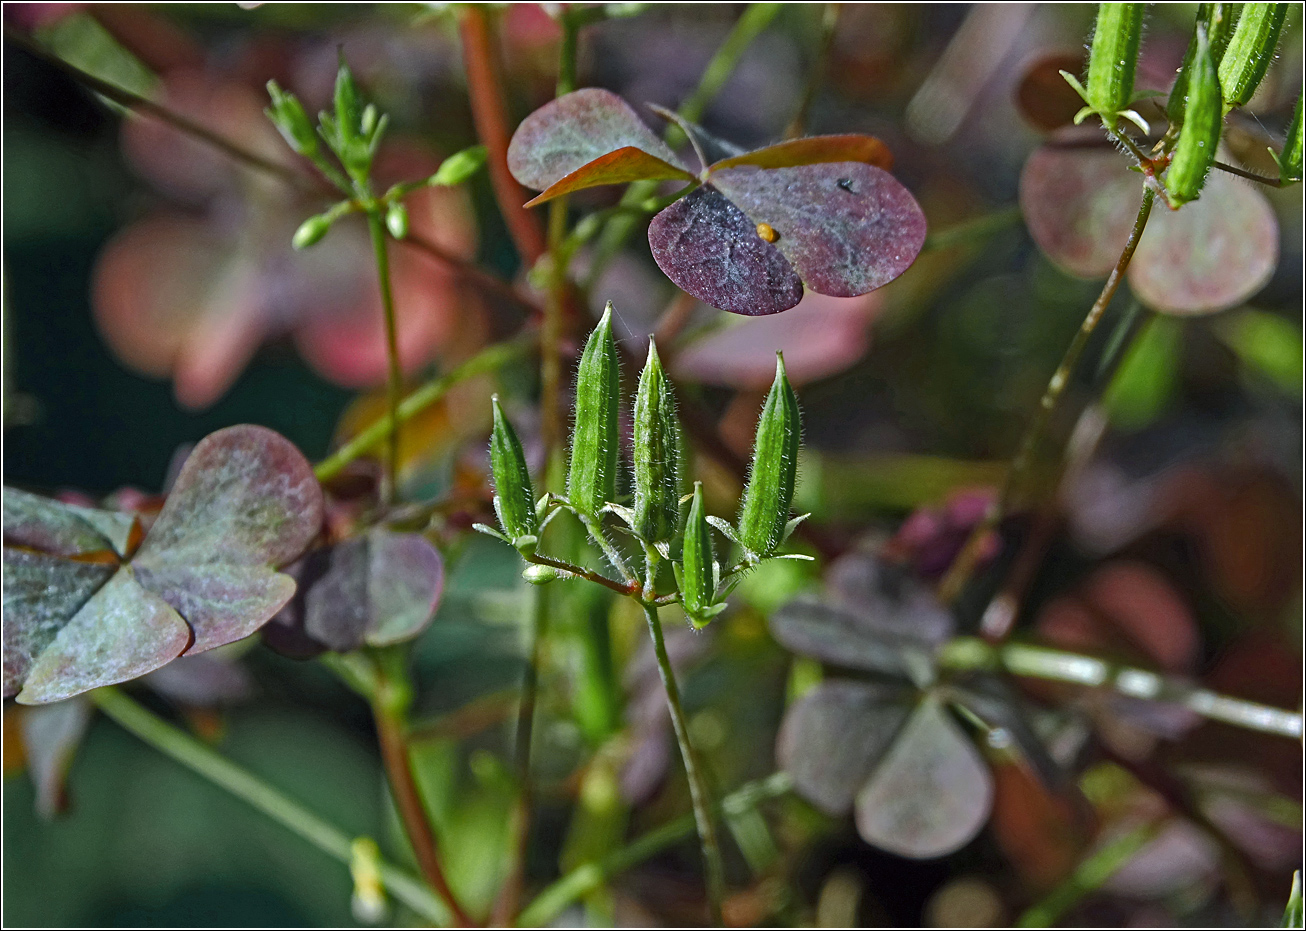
[[151, 297]]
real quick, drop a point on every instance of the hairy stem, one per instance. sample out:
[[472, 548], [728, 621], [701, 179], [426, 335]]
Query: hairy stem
[[587, 877], [487, 360], [490, 116], [959, 572], [698, 791], [395, 386], [620, 588], [217, 769], [595, 530]]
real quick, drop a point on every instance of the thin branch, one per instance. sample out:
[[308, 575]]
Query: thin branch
[[490, 116], [1249, 175], [964, 564], [217, 769], [621, 588], [829, 20], [395, 381]]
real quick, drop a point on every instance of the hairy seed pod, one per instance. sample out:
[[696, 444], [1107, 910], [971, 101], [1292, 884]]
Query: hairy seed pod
[[657, 454], [765, 508], [1200, 136], [1218, 20], [396, 220], [1113, 58], [592, 476], [697, 579], [514, 499], [458, 167], [1290, 160], [1250, 51], [311, 231]]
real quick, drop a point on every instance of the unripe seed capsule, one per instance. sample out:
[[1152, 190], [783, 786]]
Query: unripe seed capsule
[[458, 167], [657, 454], [1250, 51], [1290, 161], [396, 220], [1113, 58], [311, 231], [770, 491], [514, 499], [1200, 136], [592, 476], [697, 580], [541, 575], [1218, 20]]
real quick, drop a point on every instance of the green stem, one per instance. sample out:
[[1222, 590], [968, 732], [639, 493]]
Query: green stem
[[829, 20], [247, 787], [1037, 662], [595, 530], [969, 230], [1090, 875], [698, 791], [959, 572], [487, 360], [395, 388], [587, 877], [581, 572]]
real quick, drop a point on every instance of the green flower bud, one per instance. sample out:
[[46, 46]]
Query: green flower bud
[[592, 477], [349, 107], [311, 231], [698, 572], [288, 116], [1250, 51], [1113, 58], [542, 575], [765, 508], [657, 454], [514, 499], [1200, 136], [458, 167], [1290, 160], [1218, 20], [396, 220]]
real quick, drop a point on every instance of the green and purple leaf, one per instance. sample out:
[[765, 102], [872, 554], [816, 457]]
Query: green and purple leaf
[[710, 249], [76, 618], [833, 737], [566, 135], [623, 166], [847, 227], [814, 150], [931, 794]]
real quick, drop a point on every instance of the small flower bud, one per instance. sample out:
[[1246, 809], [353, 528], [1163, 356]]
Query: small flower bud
[[1200, 136], [765, 508], [541, 575], [288, 116], [697, 576], [1250, 51], [657, 454], [514, 499], [1218, 20], [396, 220], [1113, 58], [311, 231], [349, 107], [458, 167], [1290, 160], [592, 476]]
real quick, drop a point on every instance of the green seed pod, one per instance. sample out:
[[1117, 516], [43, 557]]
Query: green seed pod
[[311, 231], [1200, 136], [657, 454], [1113, 58], [288, 116], [514, 499], [697, 577], [1218, 20], [765, 508], [1250, 51], [458, 167], [592, 477], [1290, 160], [396, 220]]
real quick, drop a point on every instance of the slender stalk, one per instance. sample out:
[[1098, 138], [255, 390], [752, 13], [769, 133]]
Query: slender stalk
[[395, 386], [412, 813], [595, 531], [487, 360], [1090, 875], [1249, 175], [587, 877], [959, 572], [620, 588], [1037, 662], [698, 791], [490, 116], [829, 20], [205, 762], [967, 231]]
